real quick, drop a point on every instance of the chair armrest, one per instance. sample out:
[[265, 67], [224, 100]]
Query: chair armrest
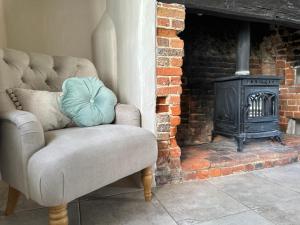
[[21, 135], [128, 115]]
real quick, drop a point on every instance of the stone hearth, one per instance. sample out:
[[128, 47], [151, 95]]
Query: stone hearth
[[220, 157]]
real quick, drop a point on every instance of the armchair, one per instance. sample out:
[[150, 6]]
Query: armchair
[[55, 167]]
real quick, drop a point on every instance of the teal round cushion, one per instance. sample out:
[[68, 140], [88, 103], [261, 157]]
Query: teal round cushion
[[87, 101]]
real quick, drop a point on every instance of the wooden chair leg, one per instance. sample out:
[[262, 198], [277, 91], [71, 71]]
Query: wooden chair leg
[[147, 182], [58, 215], [12, 200]]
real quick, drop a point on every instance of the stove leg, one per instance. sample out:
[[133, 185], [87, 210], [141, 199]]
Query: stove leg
[[240, 143], [279, 139], [213, 135]]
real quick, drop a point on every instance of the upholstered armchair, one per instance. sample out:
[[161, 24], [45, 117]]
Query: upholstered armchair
[[55, 167]]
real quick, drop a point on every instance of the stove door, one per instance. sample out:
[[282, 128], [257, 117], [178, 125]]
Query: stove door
[[261, 104]]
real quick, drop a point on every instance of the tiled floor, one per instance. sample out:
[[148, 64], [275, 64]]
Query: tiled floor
[[264, 197]]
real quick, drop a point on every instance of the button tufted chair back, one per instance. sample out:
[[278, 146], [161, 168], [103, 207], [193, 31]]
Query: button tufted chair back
[[37, 72]]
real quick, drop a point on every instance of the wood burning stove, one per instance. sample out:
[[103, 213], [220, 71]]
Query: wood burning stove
[[247, 107]]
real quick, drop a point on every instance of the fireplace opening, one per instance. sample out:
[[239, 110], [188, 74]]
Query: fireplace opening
[[210, 54], [186, 99], [211, 45]]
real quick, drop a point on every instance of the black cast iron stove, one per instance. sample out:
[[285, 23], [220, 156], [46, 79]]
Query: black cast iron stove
[[246, 106]]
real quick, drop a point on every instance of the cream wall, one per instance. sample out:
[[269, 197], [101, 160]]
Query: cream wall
[[126, 37], [56, 27], [123, 43], [2, 27]]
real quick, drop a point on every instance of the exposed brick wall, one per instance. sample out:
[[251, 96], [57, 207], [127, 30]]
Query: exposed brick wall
[[287, 58], [280, 54], [210, 45], [170, 22]]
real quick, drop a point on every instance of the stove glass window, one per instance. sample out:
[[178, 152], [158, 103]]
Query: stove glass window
[[261, 105]]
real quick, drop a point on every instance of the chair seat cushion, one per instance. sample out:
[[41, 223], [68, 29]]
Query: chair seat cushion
[[77, 161]]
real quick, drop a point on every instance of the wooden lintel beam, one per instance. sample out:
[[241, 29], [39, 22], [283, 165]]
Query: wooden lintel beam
[[281, 12]]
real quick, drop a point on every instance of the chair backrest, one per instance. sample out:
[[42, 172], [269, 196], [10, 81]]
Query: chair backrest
[[38, 72]]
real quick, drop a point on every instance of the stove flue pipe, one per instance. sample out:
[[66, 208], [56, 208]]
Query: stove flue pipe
[[243, 50]]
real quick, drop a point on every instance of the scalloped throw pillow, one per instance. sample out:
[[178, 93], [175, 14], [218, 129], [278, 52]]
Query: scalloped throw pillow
[[87, 101], [43, 104]]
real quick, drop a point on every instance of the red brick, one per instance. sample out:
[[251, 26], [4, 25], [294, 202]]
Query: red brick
[[289, 81], [174, 99], [280, 63], [226, 171], [161, 71], [290, 76], [292, 108], [214, 172], [163, 157], [292, 102], [173, 142], [190, 176], [175, 152], [195, 164], [162, 108], [249, 167], [177, 43], [163, 62], [166, 33], [175, 120], [163, 81], [178, 24], [163, 42], [161, 100], [238, 168], [163, 144], [175, 110], [288, 114], [177, 62], [268, 164], [283, 90], [175, 90], [162, 91], [163, 136], [163, 22], [173, 131], [170, 12], [289, 71], [202, 164], [203, 174], [176, 81], [174, 163], [297, 115]]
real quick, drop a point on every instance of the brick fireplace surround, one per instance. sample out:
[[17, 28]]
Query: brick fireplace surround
[[184, 113]]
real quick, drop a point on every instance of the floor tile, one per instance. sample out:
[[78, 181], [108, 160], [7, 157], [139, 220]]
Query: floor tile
[[124, 209], [283, 212], [245, 218], [199, 201], [38, 217], [287, 176], [253, 191]]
